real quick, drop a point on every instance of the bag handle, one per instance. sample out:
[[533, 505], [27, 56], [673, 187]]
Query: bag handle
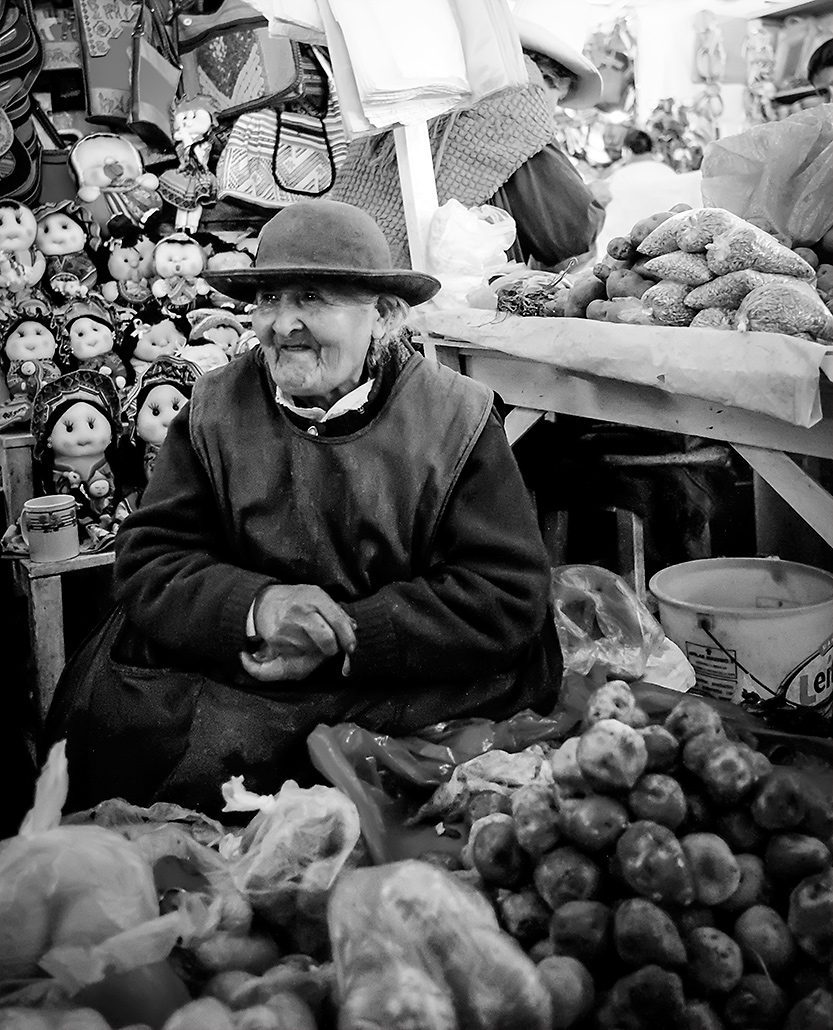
[[46, 124], [159, 31]]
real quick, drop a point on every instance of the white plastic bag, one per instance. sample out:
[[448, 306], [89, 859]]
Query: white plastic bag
[[465, 247]]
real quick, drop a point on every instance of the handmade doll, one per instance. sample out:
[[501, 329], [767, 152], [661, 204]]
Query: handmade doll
[[89, 338], [28, 362], [178, 264], [162, 392], [65, 238], [112, 181], [151, 335], [21, 264], [190, 186], [75, 422], [217, 327], [130, 263], [223, 259]]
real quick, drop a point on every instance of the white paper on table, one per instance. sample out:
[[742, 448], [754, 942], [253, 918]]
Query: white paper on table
[[764, 372]]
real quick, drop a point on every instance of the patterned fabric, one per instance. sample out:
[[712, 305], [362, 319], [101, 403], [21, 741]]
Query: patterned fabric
[[103, 21]]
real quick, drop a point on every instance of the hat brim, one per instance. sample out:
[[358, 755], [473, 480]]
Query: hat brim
[[243, 283], [584, 93]]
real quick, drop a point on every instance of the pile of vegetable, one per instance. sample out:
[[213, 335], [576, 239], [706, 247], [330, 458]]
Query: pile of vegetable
[[709, 268]]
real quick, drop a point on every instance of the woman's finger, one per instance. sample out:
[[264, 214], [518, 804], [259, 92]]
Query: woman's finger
[[339, 621], [281, 667]]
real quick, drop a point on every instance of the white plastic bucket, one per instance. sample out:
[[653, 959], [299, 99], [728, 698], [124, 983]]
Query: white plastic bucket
[[752, 624]]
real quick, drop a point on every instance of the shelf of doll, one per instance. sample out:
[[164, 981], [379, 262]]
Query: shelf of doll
[[42, 569]]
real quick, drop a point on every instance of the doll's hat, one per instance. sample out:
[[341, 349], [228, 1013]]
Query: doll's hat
[[52, 398], [202, 321], [87, 308], [537, 22], [323, 239]]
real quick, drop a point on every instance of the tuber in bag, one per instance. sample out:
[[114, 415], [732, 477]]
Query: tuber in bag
[[778, 175]]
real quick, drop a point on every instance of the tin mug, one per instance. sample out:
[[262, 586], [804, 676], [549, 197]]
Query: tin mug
[[49, 526]]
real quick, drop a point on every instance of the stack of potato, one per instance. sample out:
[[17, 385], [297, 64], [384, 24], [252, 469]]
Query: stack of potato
[[708, 268]]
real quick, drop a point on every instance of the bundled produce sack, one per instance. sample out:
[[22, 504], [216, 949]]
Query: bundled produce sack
[[78, 904]]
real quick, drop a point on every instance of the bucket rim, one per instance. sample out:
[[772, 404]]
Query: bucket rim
[[753, 613]]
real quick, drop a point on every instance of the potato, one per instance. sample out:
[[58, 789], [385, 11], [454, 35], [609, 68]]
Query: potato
[[715, 963], [662, 747], [565, 874], [792, 856], [692, 716], [815, 1012], [496, 853], [699, 815], [535, 814], [602, 270], [713, 867], [824, 279], [595, 823], [765, 941], [291, 1011], [612, 700], [523, 914], [541, 950], [645, 226], [660, 799], [779, 802], [740, 831], [312, 983], [619, 311], [699, 1015], [757, 1002], [727, 773], [571, 989], [809, 256], [653, 863], [810, 916], [258, 1017], [585, 288], [689, 919], [753, 887], [650, 997], [644, 934], [582, 930], [225, 986], [611, 755], [202, 1014], [253, 954], [626, 283], [567, 776], [486, 802], [621, 249], [696, 750]]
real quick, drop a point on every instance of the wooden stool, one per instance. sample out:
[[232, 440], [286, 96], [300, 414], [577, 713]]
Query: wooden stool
[[41, 582]]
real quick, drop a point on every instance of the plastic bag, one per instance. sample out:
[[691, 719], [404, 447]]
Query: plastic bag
[[465, 247], [601, 622], [414, 947], [286, 859], [778, 175], [76, 902]]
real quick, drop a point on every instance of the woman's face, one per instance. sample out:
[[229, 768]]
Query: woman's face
[[315, 336], [81, 431], [157, 413]]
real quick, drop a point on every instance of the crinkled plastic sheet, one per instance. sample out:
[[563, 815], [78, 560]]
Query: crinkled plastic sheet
[[764, 372]]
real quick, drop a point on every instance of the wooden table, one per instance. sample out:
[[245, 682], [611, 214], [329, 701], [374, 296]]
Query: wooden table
[[765, 442]]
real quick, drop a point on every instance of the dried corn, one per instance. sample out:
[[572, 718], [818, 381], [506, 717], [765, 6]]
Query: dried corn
[[665, 300], [691, 269], [713, 318], [663, 240], [727, 291], [705, 225], [749, 247], [790, 308]]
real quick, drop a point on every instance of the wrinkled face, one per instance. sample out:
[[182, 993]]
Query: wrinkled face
[[225, 336], [191, 125], [60, 234], [132, 264], [178, 258], [163, 338], [315, 336], [89, 338], [823, 84], [30, 341], [81, 431], [157, 412], [18, 228]]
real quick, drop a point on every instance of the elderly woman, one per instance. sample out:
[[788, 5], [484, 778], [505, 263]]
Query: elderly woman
[[335, 530]]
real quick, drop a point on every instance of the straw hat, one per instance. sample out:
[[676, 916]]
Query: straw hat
[[537, 25], [323, 239]]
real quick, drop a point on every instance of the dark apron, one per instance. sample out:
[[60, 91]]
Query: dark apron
[[150, 734]]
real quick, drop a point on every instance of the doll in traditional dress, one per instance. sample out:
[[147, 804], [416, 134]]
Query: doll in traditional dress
[[151, 335], [112, 181], [76, 425], [223, 258], [29, 349], [21, 264], [178, 264], [65, 238], [130, 263], [191, 186], [220, 328], [89, 340]]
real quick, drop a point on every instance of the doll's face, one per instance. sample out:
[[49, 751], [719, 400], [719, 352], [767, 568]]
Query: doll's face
[[89, 338], [81, 431], [132, 264], [163, 338], [191, 125], [228, 259], [175, 257], [225, 336], [18, 228], [157, 412], [60, 234], [30, 341]]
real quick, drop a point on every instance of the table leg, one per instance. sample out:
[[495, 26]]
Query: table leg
[[46, 625]]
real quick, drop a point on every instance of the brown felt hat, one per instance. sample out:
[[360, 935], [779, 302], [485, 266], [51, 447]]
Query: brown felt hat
[[324, 239]]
